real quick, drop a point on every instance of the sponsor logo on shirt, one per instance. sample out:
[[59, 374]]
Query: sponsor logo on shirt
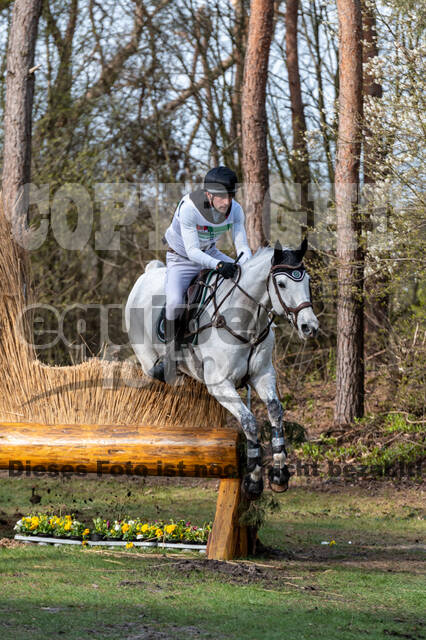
[[206, 232]]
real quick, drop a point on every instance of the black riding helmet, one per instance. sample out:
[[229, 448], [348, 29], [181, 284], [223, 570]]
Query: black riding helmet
[[220, 181]]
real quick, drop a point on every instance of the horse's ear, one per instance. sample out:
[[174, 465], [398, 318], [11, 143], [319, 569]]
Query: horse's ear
[[301, 252], [277, 258]]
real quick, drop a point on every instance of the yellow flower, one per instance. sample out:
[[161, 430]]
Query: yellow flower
[[67, 527], [83, 543], [129, 545], [159, 533], [144, 528], [86, 532], [125, 527], [332, 542], [170, 528]]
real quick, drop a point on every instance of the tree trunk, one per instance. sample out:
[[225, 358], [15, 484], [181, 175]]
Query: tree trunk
[[233, 156], [254, 123], [350, 254], [18, 111], [300, 163]]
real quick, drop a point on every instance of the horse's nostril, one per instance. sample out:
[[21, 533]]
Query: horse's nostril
[[306, 329]]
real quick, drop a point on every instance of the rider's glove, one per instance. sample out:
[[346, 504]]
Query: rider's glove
[[226, 269]]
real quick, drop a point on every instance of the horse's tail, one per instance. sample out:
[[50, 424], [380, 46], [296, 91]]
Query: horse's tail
[[154, 264]]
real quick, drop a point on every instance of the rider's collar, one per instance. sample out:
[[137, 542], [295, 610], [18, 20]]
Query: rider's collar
[[295, 272], [198, 198]]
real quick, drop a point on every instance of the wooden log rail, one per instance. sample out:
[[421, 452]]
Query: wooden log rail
[[28, 449]]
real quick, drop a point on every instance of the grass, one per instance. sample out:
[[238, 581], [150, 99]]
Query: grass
[[371, 588]]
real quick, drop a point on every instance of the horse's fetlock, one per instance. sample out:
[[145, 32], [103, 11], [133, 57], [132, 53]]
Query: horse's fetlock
[[253, 463], [279, 459], [256, 473]]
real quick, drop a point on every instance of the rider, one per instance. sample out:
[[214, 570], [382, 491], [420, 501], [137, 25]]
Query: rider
[[200, 219]]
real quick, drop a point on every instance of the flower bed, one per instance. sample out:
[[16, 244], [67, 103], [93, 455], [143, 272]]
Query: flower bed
[[52, 526], [126, 532]]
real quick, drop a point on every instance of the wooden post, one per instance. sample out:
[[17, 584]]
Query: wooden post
[[227, 539]]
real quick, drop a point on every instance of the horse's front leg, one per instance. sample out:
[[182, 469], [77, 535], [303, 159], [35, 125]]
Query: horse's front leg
[[226, 394], [266, 388]]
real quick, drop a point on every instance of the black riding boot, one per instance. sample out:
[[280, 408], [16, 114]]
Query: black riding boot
[[164, 369]]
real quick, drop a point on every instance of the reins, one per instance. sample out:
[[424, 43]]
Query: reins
[[218, 321]]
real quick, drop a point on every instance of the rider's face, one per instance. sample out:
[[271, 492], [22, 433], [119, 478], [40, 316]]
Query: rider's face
[[219, 202]]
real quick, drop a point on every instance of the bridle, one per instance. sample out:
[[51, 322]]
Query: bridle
[[218, 320], [296, 273]]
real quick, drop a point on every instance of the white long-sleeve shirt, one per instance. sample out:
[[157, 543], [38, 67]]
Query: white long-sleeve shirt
[[191, 233]]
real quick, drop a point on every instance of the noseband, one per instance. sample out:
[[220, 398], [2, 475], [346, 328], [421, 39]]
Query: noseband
[[296, 273]]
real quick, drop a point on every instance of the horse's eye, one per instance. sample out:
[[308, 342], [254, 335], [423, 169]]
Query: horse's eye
[[282, 285]]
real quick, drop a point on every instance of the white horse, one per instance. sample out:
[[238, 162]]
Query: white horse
[[236, 345]]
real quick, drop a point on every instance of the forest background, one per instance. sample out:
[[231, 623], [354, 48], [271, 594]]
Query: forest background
[[135, 100]]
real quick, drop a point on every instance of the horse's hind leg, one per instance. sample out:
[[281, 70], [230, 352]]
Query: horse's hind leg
[[226, 394], [265, 386]]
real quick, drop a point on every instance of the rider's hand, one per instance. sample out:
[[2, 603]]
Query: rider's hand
[[226, 269]]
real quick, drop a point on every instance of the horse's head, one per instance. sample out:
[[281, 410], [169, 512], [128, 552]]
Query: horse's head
[[289, 290]]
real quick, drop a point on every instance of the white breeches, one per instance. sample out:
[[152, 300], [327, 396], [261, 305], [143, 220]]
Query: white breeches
[[180, 272]]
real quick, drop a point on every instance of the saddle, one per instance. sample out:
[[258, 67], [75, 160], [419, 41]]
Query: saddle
[[196, 298]]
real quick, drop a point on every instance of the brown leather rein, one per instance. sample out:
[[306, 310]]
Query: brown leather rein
[[218, 321]]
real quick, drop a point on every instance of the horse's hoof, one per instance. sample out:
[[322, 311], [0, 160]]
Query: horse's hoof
[[252, 490], [278, 479]]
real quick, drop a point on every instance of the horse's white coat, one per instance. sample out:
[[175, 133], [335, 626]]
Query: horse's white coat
[[224, 358]]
